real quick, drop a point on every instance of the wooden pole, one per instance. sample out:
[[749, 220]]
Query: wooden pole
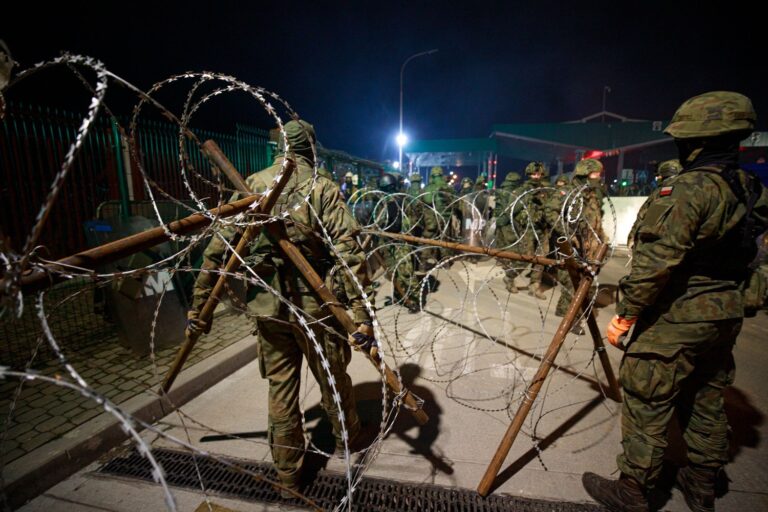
[[538, 380], [614, 390], [213, 152], [41, 278], [276, 231], [496, 253]]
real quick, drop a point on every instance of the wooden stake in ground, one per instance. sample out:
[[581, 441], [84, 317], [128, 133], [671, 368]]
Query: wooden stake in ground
[[276, 231], [538, 380], [614, 390]]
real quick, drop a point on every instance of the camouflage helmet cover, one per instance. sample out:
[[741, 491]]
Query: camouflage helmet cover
[[415, 177], [466, 181], [536, 168], [512, 177], [588, 166], [711, 114], [669, 168], [436, 171]]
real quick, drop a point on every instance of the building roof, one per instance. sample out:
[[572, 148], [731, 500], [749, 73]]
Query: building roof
[[606, 136]]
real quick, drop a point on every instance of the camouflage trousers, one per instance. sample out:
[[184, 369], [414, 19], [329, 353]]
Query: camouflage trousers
[[282, 345], [528, 244], [679, 368], [405, 281], [566, 292], [434, 226]]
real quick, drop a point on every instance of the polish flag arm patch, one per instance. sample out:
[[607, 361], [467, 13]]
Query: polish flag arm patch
[[666, 191]]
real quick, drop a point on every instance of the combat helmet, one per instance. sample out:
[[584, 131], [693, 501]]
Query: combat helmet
[[536, 168], [414, 177], [588, 166], [436, 171], [511, 181], [668, 169], [466, 182], [388, 183], [712, 114]]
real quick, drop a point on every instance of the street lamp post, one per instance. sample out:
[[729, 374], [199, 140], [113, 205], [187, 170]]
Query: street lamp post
[[401, 138]]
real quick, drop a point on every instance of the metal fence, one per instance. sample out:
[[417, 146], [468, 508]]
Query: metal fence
[[104, 183], [34, 140]]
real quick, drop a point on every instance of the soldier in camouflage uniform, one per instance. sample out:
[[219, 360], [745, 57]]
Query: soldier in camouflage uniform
[[528, 216], [684, 296], [587, 233], [589, 228], [505, 233], [414, 189], [348, 188], [554, 219], [391, 218], [282, 342], [437, 199]]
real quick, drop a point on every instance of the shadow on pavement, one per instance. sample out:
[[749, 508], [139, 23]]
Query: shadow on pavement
[[368, 396], [544, 443]]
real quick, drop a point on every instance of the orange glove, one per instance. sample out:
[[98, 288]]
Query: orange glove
[[617, 330]]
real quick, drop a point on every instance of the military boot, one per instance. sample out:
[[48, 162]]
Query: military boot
[[622, 495], [537, 292], [698, 486]]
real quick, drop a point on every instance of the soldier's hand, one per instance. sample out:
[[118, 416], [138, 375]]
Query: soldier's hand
[[618, 329], [195, 326], [363, 339]]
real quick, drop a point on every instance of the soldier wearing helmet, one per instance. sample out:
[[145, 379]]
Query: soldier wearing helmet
[[438, 198], [586, 197], [684, 296], [587, 176], [518, 213], [668, 169], [349, 187], [414, 189], [391, 216], [529, 221], [505, 232], [466, 186]]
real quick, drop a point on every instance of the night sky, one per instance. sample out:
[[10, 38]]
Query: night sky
[[339, 65]]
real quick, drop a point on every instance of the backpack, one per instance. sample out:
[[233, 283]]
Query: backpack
[[747, 231]]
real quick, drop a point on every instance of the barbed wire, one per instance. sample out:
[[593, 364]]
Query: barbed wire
[[457, 344]]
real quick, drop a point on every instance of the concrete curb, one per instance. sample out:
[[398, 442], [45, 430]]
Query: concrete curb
[[34, 473]]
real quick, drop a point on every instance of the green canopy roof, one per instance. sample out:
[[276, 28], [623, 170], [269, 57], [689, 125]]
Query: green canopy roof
[[451, 146], [594, 135]]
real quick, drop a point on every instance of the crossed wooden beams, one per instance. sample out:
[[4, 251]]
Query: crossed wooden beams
[[582, 278]]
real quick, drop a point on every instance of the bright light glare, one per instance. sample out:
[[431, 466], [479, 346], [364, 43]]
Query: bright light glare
[[396, 165], [402, 139]]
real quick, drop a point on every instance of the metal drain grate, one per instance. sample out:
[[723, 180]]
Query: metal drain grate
[[372, 494]]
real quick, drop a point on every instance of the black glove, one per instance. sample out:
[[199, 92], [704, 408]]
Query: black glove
[[195, 326], [363, 339]]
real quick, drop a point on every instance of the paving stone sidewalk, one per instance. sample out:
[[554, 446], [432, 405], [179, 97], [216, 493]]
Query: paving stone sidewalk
[[44, 412]]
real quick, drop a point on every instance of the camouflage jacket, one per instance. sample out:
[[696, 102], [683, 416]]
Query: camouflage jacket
[[553, 209], [652, 197], [440, 197], [505, 196], [686, 264], [530, 208], [305, 230]]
